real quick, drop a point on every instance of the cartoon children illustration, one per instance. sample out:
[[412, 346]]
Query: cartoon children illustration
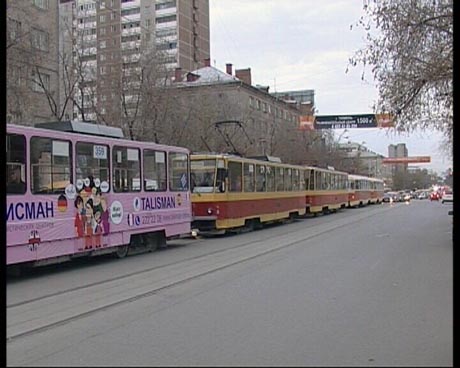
[[97, 200], [97, 231], [89, 224], [79, 222], [105, 220], [105, 216]]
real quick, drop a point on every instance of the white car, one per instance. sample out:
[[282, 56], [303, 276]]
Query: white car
[[447, 197]]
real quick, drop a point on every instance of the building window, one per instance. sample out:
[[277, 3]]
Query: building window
[[42, 4], [40, 82], [125, 12], [102, 18], [40, 39], [14, 29], [166, 5], [102, 31], [169, 18]]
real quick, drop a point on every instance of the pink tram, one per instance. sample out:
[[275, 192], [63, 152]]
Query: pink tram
[[79, 189]]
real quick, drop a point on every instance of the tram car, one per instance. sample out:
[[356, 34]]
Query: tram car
[[364, 190], [326, 190], [79, 189], [232, 193]]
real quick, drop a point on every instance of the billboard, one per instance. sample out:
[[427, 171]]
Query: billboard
[[406, 160], [306, 122], [311, 122]]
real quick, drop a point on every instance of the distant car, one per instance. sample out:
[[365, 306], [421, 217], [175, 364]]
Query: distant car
[[447, 197], [397, 197], [405, 197], [392, 197], [422, 195], [434, 196], [388, 197]]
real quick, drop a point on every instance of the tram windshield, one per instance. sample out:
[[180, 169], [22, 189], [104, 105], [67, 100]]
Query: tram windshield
[[203, 174]]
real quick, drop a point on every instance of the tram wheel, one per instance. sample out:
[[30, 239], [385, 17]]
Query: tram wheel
[[122, 251]]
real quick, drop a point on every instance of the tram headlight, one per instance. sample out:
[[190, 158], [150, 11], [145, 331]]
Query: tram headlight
[[210, 211]]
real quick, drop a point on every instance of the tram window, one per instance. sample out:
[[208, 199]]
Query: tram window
[[203, 175], [318, 180], [249, 176], [295, 180], [260, 178], [154, 171], [270, 172], [92, 162], [234, 176], [288, 180], [306, 176], [333, 181], [126, 169], [279, 179], [51, 165], [16, 164], [178, 171], [327, 181], [312, 180], [220, 176]]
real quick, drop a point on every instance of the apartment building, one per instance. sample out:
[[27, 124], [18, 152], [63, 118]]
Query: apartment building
[[395, 151], [33, 91], [249, 119], [111, 41]]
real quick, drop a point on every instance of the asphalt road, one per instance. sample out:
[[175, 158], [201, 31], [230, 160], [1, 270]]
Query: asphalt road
[[369, 286]]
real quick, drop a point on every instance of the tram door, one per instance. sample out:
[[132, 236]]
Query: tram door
[[92, 196]]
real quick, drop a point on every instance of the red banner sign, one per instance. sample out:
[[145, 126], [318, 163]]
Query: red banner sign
[[406, 160]]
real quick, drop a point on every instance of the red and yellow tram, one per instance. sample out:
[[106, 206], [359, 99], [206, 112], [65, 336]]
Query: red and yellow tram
[[326, 190], [230, 192], [364, 190]]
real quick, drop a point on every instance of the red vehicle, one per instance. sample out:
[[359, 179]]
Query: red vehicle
[[434, 196]]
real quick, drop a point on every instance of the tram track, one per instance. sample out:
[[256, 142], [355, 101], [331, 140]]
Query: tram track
[[52, 310]]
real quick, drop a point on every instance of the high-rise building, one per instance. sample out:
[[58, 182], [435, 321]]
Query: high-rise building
[[110, 41], [395, 151]]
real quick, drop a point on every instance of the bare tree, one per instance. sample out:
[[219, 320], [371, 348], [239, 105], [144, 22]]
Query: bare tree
[[410, 51]]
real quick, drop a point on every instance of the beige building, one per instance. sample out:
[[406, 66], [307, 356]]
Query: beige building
[[363, 161], [224, 112], [33, 91]]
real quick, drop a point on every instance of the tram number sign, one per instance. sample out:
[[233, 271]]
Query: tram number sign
[[345, 121]]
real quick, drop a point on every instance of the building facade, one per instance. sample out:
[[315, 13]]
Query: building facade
[[113, 42], [230, 114], [32, 61], [363, 161], [396, 151]]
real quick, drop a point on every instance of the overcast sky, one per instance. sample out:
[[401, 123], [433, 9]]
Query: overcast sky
[[306, 44]]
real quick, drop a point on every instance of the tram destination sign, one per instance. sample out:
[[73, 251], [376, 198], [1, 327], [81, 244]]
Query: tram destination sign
[[345, 121]]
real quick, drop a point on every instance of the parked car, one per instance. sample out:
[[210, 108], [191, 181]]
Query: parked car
[[434, 196], [448, 196]]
